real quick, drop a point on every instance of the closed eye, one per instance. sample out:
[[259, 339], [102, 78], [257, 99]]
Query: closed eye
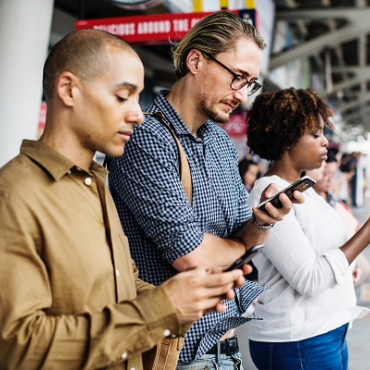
[[120, 99]]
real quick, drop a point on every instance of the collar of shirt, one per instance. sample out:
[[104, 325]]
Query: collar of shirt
[[205, 131], [53, 162]]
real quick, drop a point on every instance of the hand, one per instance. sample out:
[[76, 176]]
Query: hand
[[196, 292], [276, 214], [356, 275]]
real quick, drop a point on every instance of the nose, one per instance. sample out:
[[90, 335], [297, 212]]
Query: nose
[[136, 116], [325, 141], [241, 95]]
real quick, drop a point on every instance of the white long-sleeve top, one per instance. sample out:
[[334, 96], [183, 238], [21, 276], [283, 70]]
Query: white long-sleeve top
[[311, 284]]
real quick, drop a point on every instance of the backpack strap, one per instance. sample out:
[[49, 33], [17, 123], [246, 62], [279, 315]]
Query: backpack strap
[[185, 174]]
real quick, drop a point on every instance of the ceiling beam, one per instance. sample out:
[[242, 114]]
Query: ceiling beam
[[358, 25], [363, 98], [362, 74]]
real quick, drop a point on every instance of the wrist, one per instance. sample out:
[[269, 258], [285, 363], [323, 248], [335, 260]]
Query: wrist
[[258, 226]]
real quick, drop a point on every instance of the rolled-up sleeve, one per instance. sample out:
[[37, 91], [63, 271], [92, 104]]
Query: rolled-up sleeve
[[338, 263]]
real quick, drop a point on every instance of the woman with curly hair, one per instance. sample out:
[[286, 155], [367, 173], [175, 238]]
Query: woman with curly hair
[[306, 259]]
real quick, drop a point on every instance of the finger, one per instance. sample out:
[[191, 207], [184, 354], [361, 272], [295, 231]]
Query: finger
[[230, 295], [247, 269], [298, 197], [213, 305], [215, 270], [272, 216], [270, 191], [221, 307], [221, 279], [240, 282], [286, 205], [195, 270], [218, 293]]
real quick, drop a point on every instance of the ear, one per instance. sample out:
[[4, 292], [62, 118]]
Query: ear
[[66, 86], [194, 60]]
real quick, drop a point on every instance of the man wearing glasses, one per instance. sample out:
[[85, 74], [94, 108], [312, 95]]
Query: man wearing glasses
[[217, 66]]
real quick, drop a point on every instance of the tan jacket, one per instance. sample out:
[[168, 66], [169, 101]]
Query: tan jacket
[[64, 265]]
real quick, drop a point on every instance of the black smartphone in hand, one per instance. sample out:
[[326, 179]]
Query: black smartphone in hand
[[301, 185], [245, 258]]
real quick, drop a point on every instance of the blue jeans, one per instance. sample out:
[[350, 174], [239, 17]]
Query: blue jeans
[[323, 352], [233, 362]]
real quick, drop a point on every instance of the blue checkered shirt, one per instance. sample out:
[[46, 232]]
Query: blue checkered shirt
[[158, 219]]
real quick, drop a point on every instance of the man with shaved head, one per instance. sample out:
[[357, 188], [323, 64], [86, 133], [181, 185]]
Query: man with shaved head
[[70, 295]]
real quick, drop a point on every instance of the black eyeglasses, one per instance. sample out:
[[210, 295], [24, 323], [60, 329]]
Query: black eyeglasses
[[238, 81]]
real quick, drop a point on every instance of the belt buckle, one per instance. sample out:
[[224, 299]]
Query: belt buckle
[[232, 346]]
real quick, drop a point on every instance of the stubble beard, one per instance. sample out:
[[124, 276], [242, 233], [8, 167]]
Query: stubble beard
[[211, 114]]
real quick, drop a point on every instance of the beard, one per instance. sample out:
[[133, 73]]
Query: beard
[[211, 114]]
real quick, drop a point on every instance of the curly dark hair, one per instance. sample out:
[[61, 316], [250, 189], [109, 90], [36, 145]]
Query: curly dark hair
[[277, 120]]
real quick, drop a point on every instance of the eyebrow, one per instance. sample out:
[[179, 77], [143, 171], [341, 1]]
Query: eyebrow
[[246, 74], [126, 85]]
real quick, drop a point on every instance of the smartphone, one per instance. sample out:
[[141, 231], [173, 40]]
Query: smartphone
[[239, 263], [302, 184]]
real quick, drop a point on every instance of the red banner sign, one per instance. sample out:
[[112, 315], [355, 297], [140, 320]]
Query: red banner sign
[[236, 127], [154, 28]]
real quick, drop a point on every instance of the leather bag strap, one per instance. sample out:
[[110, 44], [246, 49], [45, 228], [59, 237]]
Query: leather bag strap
[[185, 174]]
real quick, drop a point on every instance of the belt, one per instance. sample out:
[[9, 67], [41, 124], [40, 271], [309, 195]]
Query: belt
[[228, 347]]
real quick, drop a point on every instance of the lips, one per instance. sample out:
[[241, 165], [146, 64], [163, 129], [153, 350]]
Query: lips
[[324, 156], [125, 135], [231, 105]]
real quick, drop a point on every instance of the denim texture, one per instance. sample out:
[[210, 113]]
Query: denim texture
[[209, 362], [323, 352]]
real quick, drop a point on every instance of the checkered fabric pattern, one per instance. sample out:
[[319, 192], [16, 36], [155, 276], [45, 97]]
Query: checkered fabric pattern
[[158, 219]]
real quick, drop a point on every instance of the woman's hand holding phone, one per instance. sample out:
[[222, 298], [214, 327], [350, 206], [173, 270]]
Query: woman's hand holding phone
[[301, 185], [276, 204]]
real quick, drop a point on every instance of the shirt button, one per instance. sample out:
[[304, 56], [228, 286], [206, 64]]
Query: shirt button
[[132, 368], [173, 335], [166, 333], [117, 272], [88, 181], [124, 355]]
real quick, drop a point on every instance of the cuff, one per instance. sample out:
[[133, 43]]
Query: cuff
[[339, 264]]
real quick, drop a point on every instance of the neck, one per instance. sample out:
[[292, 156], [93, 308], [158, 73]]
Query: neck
[[59, 138], [186, 105], [284, 170]]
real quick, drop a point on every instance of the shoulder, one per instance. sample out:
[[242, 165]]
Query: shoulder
[[264, 181], [17, 173], [152, 132], [21, 181]]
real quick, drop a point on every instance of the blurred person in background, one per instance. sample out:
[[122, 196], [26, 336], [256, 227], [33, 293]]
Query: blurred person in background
[[325, 178], [306, 259], [348, 166], [249, 172]]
